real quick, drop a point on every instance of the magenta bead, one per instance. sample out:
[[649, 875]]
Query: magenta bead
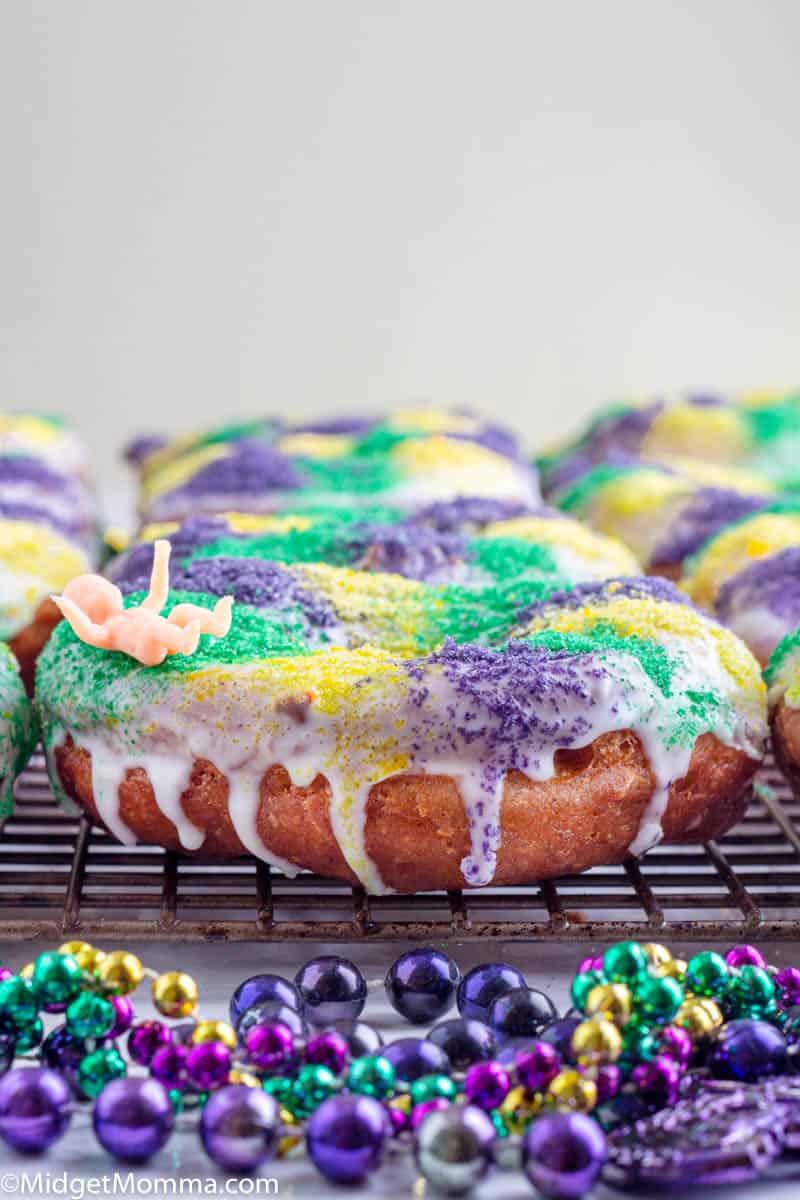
[[398, 1119], [5, 974], [608, 1082], [169, 1066], [658, 1081], [123, 1007], [592, 962], [145, 1039], [270, 1047], [420, 1111], [208, 1065], [537, 1065], [745, 955], [486, 1084], [675, 1042], [787, 981], [328, 1049]]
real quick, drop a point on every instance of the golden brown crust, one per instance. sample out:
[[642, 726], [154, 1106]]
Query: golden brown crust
[[786, 742], [416, 832], [28, 644]]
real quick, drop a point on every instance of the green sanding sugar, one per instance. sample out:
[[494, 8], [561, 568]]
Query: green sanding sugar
[[580, 493], [603, 640]]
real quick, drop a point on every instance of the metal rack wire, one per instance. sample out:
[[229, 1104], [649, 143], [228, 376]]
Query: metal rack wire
[[60, 877]]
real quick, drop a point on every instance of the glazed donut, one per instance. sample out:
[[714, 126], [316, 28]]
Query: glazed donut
[[748, 574], [782, 676], [47, 530], [19, 728], [664, 513], [406, 461], [404, 733], [757, 434]]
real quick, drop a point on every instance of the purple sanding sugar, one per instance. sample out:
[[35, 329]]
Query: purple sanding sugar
[[706, 513], [19, 468], [142, 447], [771, 583], [597, 592], [131, 573], [40, 516], [415, 551], [337, 425], [494, 438], [250, 468], [465, 512]]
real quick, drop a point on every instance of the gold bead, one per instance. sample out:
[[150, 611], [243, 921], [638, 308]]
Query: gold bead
[[519, 1108], [572, 1092], [611, 1000], [215, 1031], [659, 955], [597, 1040], [121, 971], [402, 1103], [175, 994], [73, 948], [289, 1140], [699, 1016], [675, 969], [89, 960], [27, 971], [236, 1076]]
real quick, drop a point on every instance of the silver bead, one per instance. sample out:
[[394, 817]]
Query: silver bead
[[453, 1148], [507, 1153]]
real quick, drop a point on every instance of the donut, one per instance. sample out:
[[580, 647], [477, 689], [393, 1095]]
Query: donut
[[759, 435], [782, 676], [499, 724], [406, 461], [748, 574], [47, 531], [18, 728], [663, 513], [47, 439]]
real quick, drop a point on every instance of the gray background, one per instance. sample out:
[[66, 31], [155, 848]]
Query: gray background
[[213, 207]]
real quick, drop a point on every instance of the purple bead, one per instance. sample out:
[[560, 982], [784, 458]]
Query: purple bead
[[481, 986], [607, 1080], [559, 1034], [739, 956], [537, 1065], [658, 1081], [522, 1012], [123, 1007], [329, 1049], [63, 1052], [168, 1066], [271, 1047], [787, 982], [266, 1013], [259, 989], [361, 1037], [8, 1051], [676, 1042], [208, 1065], [747, 1050], [35, 1108], [464, 1041], [133, 1118], [145, 1039], [240, 1127], [487, 1084], [332, 989], [413, 1057], [592, 962], [345, 1137], [421, 985], [563, 1154], [420, 1111]]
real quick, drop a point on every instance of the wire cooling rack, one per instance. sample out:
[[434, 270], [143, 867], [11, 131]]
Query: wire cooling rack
[[60, 877]]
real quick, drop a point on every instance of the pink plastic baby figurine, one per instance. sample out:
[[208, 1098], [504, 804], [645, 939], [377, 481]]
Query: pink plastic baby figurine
[[94, 608]]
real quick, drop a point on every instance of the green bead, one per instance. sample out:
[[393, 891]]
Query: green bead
[[659, 999], [500, 1127], [176, 1100], [707, 974], [56, 977], [19, 1002], [581, 986], [372, 1075], [752, 992], [29, 1037], [431, 1087], [314, 1083], [280, 1087], [99, 1068], [90, 1016], [626, 962]]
